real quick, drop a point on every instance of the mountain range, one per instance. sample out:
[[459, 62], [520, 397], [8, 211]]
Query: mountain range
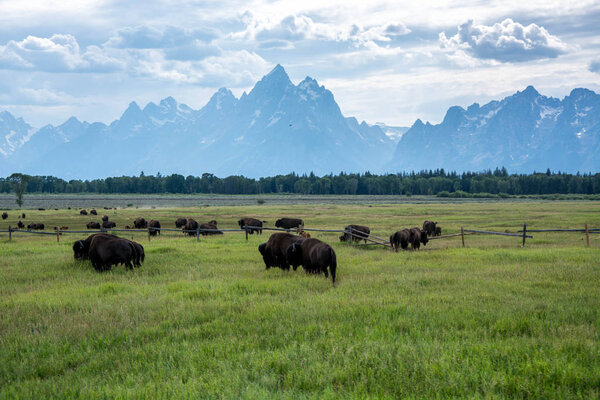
[[279, 127]]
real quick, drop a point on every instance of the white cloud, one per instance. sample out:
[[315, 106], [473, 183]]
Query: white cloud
[[507, 41], [58, 53]]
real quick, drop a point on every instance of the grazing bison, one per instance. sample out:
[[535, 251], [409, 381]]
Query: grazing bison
[[358, 232], [438, 231], [83, 212], [81, 248], [93, 225], [246, 221], [20, 224], [315, 256], [108, 224], [211, 228], [35, 226], [274, 251], [23, 215], [190, 227], [180, 222], [4, 215], [140, 223], [104, 218], [105, 252], [156, 225], [289, 223], [93, 212], [418, 236], [401, 239], [41, 209], [127, 227], [429, 227]]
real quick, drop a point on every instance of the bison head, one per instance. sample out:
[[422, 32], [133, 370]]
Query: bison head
[[278, 223], [424, 238], [293, 254]]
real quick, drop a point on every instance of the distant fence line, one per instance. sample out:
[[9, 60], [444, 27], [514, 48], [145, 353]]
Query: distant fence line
[[353, 234]]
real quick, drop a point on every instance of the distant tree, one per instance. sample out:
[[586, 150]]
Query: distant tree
[[19, 185]]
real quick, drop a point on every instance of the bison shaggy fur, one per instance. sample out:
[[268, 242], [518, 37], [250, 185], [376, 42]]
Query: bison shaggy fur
[[314, 256]]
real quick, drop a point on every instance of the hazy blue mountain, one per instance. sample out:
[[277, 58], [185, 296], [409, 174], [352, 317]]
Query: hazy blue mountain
[[277, 127], [523, 132]]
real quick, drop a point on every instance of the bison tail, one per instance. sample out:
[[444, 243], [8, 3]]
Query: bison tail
[[332, 265]]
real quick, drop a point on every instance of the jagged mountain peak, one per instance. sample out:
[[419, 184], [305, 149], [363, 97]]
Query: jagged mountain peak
[[272, 84]]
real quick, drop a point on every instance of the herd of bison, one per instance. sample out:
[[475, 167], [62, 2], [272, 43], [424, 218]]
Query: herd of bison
[[281, 250]]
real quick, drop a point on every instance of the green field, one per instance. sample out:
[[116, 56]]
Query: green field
[[206, 320]]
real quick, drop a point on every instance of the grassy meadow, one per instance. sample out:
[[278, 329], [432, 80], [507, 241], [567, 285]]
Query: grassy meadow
[[206, 320]]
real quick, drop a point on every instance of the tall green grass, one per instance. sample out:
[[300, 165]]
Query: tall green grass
[[206, 320]]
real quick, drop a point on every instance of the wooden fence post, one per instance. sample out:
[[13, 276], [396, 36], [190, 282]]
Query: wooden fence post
[[9, 232], [148, 233], [198, 233], [524, 233], [58, 235], [462, 235], [587, 235], [246, 232], [350, 232]]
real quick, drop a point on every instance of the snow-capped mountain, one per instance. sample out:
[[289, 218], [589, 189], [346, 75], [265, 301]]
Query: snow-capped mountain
[[523, 132], [277, 127]]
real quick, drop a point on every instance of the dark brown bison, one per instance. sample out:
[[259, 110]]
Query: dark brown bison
[[105, 218], [358, 232], [41, 209], [418, 236], [93, 212], [180, 222], [108, 224], [93, 225], [438, 231], [81, 248], [210, 228], [429, 227], [23, 215], [289, 223], [83, 212], [274, 251], [105, 252], [155, 227], [140, 223], [4, 215], [127, 227], [190, 227], [20, 224], [247, 221], [314, 256], [401, 239], [35, 226]]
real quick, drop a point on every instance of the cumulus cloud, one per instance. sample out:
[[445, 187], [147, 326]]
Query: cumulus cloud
[[302, 27], [507, 41], [595, 66], [58, 53]]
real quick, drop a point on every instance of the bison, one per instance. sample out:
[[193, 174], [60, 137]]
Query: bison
[[401, 239], [107, 251], [23, 215], [190, 227], [246, 221], [418, 236], [93, 212], [20, 224], [4, 215], [180, 222], [438, 231], [274, 251], [314, 256], [108, 224], [429, 227], [93, 225], [210, 228], [289, 223], [104, 218], [140, 223], [358, 232], [81, 248], [83, 212], [156, 225], [35, 226]]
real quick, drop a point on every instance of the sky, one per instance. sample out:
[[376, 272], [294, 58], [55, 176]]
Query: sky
[[384, 61]]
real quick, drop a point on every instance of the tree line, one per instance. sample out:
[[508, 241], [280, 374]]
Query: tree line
[[434, 182]]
